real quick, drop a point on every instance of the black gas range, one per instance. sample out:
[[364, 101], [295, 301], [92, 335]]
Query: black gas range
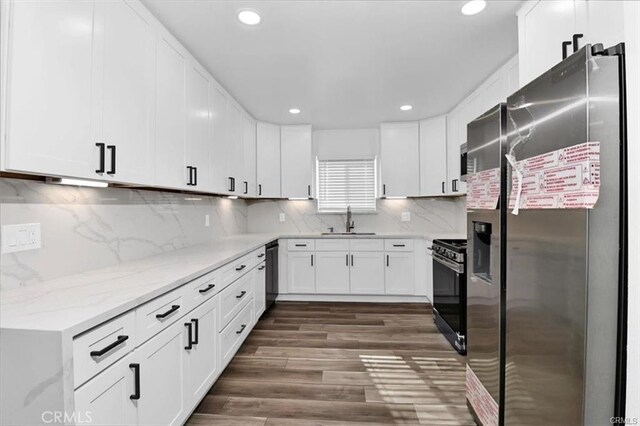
[[450, 290]]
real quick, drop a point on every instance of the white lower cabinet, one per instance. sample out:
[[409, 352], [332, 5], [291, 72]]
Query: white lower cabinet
[[332, 272], [106, 400], [399, 273], [259, 292], [301, 277], [367, 273]]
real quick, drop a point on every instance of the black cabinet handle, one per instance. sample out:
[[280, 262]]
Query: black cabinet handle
[[261, 255], [195, 176], [246, 187], [346, 259], [260, 268], [351, 260], [241, 295], [120, 340], [189, 331], [232, 184], [241, 329], [206, 289], [100, 168], [443, 187], [136, 381], [565, 44], [190, 169], [113, 159], [309, 190], [241, 267], [575, 41], [301, 245], [259, 189], [311, 260], [169, 312], [398, 245], [387, 261], [384, 189], [195, 330], [454, 185]]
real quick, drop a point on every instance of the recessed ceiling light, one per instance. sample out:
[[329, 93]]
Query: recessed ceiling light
[[294, 111], [249, 17], [473, 7], [406, 107]]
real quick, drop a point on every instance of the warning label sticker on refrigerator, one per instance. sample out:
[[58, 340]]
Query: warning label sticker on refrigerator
[[484, 406], [483, 190], [568, 178]]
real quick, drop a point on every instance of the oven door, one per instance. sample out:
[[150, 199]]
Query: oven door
[[449, 292]]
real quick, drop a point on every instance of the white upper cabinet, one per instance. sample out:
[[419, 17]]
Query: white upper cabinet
[[249, 156], [198, 134], [124, 58], [48, 117], [220, 181], [296, 165], [433, 156], [171, 67], [400, 159], [234, 149], [268, 164]]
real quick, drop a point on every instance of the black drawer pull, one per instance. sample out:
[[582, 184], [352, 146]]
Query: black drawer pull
[[241, 329], [189, 331], [136, 378], [118, 342], [261, 255], [241, 295], [398, 245], [260, 268], [259, 189], [246, 187], [301, 245], [241, 267], [443, 187], [206, 289], [169, 312], [387, 261], [113, 159], [100, 169], [195, 330]]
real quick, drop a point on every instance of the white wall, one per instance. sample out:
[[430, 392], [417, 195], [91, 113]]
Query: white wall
[[346, 144]]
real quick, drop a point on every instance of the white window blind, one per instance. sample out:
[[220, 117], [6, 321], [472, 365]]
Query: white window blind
[[343, 183]]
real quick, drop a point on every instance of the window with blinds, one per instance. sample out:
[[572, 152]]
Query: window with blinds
[[343, 183]]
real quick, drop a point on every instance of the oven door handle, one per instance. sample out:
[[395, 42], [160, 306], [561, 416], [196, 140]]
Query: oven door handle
[[448, 263]]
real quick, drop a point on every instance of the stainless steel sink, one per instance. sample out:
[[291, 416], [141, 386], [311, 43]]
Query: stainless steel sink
[[348, 233]]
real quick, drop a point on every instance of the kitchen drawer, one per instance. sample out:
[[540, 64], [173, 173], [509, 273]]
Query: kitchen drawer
[[235, 333], [234, 270], [203, 288], [98, 348], [234, 298], [259, 255], [398, 245], [366, 244], [160, 313], [332, 244], [301, 245]]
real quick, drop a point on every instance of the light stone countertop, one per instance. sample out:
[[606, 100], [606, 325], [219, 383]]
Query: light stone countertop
[[76, 303]]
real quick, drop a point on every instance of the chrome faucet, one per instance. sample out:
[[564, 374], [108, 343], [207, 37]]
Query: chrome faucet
[[350, 223]]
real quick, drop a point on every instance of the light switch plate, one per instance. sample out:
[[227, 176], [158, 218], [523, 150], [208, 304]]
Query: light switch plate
[[282, 217], [23, 237], [406, 216]]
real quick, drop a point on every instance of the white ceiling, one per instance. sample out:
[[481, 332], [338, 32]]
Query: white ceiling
[[345, 64]]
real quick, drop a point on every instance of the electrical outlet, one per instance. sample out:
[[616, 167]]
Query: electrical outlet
[[207, 220], [282, 217], [406, 216], [21, 237]]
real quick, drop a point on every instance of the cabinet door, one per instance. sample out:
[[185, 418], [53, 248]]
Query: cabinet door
[[259, 293], [248, 156], [399, 273], [198, 126], [124, 64], [106, 397], [301, 272], [542, 27], [296, 166], [171, 68], [162, 377], [48, 127], [367, 273], [268, 165], [235, 148], [201, 365], [220, 124], [400, 159], [456, 136], [332, 272], [433, 156]]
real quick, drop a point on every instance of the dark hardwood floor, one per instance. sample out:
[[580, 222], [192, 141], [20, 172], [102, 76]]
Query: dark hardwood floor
[[341, 364]]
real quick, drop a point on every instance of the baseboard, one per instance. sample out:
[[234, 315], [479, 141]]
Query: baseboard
[[350, 298]]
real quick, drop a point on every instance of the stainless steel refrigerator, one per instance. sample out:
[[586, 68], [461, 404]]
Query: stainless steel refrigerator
[[565, 262], [486, 214]]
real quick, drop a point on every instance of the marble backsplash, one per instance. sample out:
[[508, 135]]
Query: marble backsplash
[[427, 215], [89, 228]]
